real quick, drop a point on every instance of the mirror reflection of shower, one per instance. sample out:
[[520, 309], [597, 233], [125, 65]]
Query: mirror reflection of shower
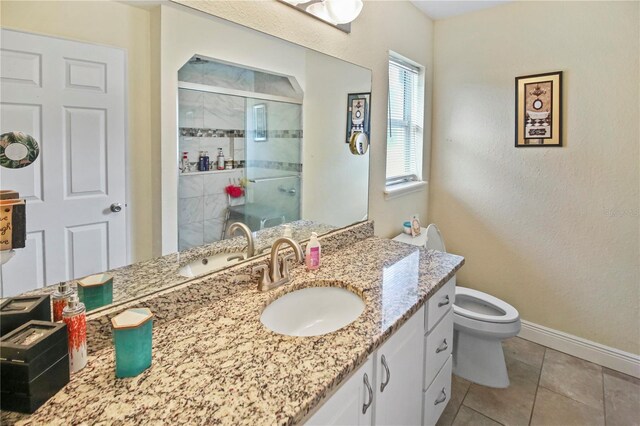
[[240, 149]]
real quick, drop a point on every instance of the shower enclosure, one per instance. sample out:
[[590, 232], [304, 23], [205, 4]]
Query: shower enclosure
[[255, 118]]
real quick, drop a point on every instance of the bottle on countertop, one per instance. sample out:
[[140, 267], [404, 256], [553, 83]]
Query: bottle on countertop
[[287, 232], [74, 315], [220, 159], [313, 252], [60, 299]]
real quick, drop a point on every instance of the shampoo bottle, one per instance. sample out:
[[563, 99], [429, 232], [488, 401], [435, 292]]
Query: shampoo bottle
[[313, 253], [220, 159]]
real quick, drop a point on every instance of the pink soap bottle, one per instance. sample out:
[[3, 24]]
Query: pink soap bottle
[[313, 253]]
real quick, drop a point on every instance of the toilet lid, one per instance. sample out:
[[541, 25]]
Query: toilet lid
[[481, 306]]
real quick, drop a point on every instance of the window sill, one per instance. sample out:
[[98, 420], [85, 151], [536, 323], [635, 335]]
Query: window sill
[[401, 189]]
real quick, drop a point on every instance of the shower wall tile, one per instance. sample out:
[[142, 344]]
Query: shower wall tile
[[191, 73], [212, 230], [191, 146], [274, 85], [190, 186], [190, 210], [229, 76], [190, 235], [190, 108], [215, 206], [223, 111], [215, 183]]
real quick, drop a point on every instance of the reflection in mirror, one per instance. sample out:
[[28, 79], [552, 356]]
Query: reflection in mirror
[[259, 142]]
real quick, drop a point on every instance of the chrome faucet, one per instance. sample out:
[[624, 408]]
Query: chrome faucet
[[277, 273], [247, 233]]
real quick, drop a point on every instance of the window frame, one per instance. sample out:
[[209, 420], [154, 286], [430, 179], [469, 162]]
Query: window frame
[[400, 184]]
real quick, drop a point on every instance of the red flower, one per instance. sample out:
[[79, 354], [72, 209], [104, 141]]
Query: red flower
[[234, 191]]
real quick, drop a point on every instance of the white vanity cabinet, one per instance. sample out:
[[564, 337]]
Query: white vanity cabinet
[[407, 381], [438, 346], [399, 375], [352, 402]]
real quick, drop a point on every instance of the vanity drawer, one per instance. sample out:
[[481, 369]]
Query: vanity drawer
[[436, 397], [439, 304], [437, 347]]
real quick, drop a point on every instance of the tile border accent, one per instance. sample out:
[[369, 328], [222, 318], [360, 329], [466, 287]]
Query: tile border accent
[[606, 356], [211, 133]]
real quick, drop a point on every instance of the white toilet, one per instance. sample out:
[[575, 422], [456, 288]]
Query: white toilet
[[480, 322]]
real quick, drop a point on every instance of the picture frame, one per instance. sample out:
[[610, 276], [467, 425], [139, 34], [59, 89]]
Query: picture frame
[[538, 109], [260, 122], [358, 114]]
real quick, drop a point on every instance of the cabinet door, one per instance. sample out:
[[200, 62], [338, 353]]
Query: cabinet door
[[399, 375], [352, 403]]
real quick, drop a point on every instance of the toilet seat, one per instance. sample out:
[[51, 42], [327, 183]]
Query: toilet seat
[[508, 313]]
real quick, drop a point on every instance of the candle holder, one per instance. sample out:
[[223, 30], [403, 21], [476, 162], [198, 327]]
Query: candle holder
[[96, 291], [132, 332]]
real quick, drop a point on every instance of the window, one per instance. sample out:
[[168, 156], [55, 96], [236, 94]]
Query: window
[[405, 118]]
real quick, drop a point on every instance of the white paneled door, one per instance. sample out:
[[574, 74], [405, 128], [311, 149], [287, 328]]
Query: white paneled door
[[70, 97]]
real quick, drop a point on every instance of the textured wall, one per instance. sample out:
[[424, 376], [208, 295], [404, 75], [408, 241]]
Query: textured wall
[[553, 231], [382, 26], [118, 25]]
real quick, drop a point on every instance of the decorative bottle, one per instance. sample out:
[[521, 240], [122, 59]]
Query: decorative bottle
[[74, 315], [220, 159], [60, 299]]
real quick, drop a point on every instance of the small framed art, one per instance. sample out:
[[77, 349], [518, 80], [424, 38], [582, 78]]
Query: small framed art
[[539, 110], [358, 106]]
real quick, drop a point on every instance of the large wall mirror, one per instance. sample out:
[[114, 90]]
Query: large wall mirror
[[272, 117]]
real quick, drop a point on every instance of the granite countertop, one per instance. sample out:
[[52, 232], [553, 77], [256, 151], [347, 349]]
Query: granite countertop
[[141, 278], [219, 364]]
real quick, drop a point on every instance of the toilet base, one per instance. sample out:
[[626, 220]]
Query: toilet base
[[479, 359]]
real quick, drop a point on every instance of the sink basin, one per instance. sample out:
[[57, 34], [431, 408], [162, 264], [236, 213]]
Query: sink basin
[[312, 311], [210, 264]]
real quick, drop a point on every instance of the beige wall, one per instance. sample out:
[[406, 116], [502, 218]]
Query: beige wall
[[117, 25], [382, 26], [553, 231]]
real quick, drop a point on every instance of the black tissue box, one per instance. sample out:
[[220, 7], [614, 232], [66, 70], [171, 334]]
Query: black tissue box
[[34, 365], [17, 311]]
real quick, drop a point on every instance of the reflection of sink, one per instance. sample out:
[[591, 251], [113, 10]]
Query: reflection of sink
[[312, 311], [210, 264]]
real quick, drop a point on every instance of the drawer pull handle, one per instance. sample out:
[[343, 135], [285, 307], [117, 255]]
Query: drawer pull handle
[[442, 398], [445, 303], [443, 347], [384, 384], [366, 405]]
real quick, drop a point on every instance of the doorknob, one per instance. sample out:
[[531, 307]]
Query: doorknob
[[116, 207]]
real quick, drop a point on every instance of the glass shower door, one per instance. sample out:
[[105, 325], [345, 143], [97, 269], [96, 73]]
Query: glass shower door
[[273, 152]]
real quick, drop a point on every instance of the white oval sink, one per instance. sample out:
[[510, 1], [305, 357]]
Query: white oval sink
[[312, 311], [210, 264]]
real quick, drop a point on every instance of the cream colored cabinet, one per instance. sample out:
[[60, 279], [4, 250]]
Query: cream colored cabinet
[[399, 375], [352, 403]]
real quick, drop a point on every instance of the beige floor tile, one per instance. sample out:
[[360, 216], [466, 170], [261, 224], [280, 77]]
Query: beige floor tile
[[510, 406], [459, 388], [621, 399], [524, 351], [552, 409], [572, 377], [468, 417]]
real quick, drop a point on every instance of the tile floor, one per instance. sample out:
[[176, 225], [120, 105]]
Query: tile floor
[[548, 388]]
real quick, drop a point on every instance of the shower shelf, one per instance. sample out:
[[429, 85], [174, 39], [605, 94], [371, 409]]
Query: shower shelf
[[211, 172]]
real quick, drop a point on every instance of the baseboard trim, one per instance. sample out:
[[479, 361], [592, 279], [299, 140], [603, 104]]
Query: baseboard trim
[[606, 356]]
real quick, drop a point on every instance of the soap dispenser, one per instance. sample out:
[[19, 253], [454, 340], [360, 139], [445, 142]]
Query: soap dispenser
[[60, 299], [313, 252]]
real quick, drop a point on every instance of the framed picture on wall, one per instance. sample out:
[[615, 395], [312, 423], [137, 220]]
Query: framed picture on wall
[[260, 122], [539, 110], [358, 107]]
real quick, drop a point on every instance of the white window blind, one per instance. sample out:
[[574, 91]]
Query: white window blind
[[404, 131]]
